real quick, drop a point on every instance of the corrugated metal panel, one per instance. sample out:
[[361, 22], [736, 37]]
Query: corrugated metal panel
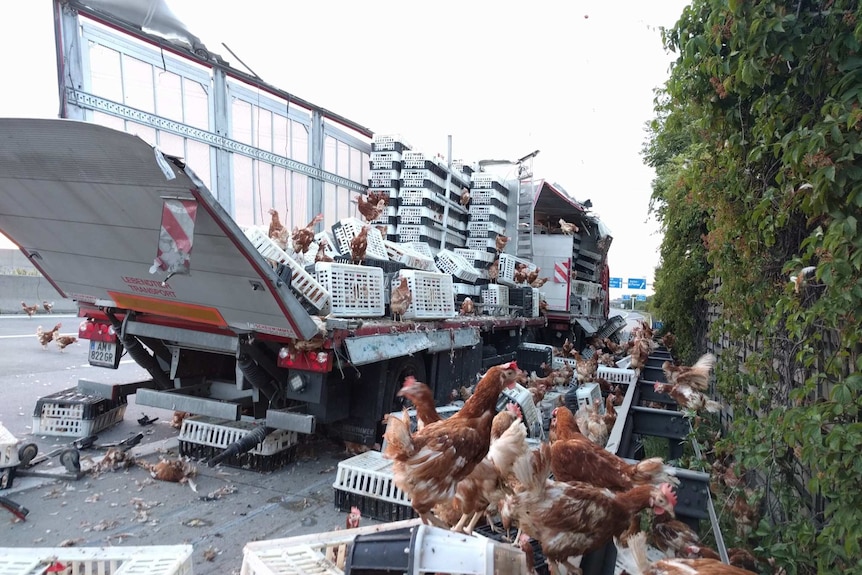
[[374, 348]]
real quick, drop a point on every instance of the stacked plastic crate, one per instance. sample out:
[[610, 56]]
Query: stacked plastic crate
[[385, 177], [425, 193]]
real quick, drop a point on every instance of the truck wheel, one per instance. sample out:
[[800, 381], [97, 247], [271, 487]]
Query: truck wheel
[[398, 370], [27, 452]]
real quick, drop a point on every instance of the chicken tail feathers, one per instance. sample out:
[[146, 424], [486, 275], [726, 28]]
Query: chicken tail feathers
[[509, 447], [713, 406], [399, 442], [653, 471], [533, 468], [633, 558]]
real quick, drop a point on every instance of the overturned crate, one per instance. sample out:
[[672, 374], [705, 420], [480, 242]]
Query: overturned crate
[[366, 481], [205, 437], [421, 549], [75, 414], [152, 560]]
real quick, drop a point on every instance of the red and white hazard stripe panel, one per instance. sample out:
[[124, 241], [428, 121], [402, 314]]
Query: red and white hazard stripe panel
[[561, 272], [176, 237]]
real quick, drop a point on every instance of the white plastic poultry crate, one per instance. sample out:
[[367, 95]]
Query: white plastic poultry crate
[[385, 160], [485, 229], [495, 300], [366, 481], [486, 180], [70, 413], [617, 375], [119, 560], [301, 281], [356, 291], [414, 215], [432, 295], [8, 448], [409, 256], [472, 255], [427, 549], [507, 269], [480, 213], [331, 249], [220, 433], [384, 142], [487, 197], [421, 248], [584, 289], [348, 228], [457, 265]]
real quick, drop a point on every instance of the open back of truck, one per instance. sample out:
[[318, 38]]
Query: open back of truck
[[111, 221]]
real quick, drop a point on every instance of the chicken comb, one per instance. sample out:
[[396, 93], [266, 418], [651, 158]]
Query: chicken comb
[[408, 381], [667, 491], [355, 511], [510, 365]]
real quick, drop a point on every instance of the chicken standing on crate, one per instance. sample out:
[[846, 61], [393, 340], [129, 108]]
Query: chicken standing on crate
[[46, 337], [478, 494], [322, 256], [430, 463], [275, 225], [467, 306], [370, 211], [400, 298], [359, 245], [571, 519], [302, 237]]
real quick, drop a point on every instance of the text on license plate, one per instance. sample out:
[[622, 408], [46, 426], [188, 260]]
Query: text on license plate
[[105, 354]]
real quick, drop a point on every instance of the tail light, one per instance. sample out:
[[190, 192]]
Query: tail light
[[320, 361], [97, 331]]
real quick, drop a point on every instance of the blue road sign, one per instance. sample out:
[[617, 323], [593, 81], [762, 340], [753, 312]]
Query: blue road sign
[[637, 283], [626, 297], [641, 298], [657, 324], [615, 282]]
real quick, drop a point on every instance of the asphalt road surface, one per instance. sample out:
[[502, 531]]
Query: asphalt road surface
[[227, 508]]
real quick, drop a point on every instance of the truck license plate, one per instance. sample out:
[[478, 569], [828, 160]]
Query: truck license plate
[[105, 354]]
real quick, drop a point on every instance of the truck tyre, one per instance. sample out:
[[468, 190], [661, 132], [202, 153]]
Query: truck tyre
[[397, 371]]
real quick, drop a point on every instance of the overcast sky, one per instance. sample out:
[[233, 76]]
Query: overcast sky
[[574, 80]]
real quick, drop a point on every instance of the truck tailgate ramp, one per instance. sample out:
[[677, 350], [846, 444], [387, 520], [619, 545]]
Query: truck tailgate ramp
[[89, 205]]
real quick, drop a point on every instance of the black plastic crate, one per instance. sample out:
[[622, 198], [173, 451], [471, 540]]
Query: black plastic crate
[[92, 406], [253, 461], [522, 297], [531, 357], [371, 507], [388, 266]]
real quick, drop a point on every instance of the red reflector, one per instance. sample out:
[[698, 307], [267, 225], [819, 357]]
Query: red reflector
[[96, 331], [320, 361]]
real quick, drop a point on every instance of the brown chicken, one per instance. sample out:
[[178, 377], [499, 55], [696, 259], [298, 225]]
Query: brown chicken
[[48, 306], [500, 242], [374, 197], [668, 340], [539, 282], [400, 298], [30, 310], [465, 196], [634, 561], [696, 376], [576, 458], [520, 274], [64, 341], [570, 519], [422, 398], [567, 348], [369, 210], [359, 245], [302, 237], [533, 276], [173, 470], [586, 368], [675, 538], [353, 518], [543, 307], [275, 225], [467, 306], [322, 256], [688, 397], [46, 337], [494, 270], [430, 463], [567, 228]]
